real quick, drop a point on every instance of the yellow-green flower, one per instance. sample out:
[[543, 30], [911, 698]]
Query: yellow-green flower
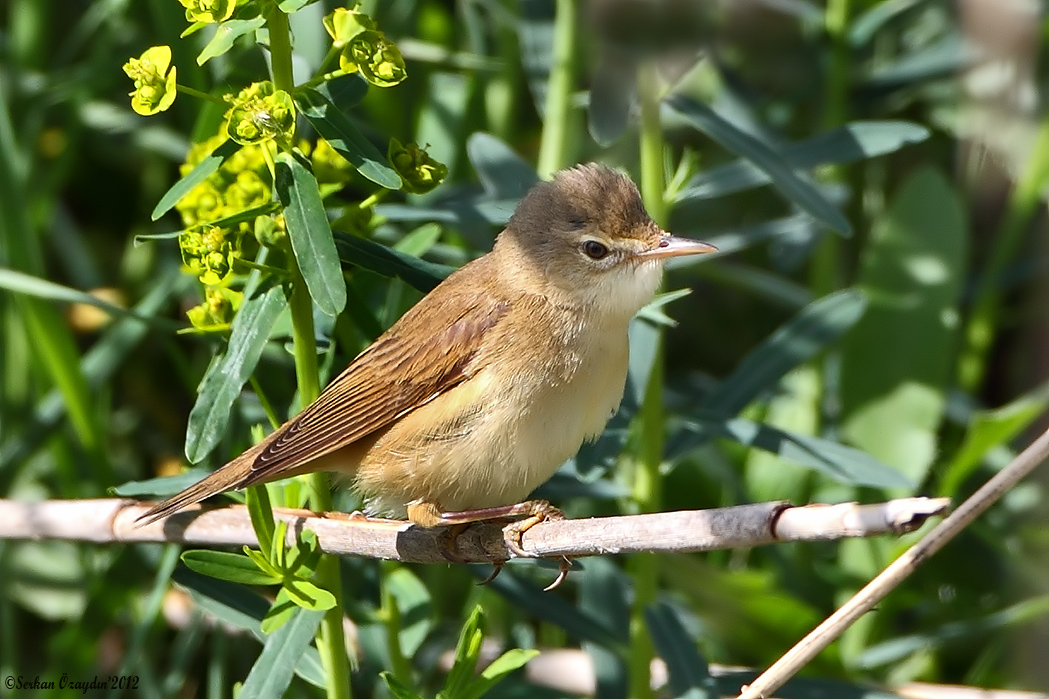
[[417, 169], [261, 113], [378, 59], [209, 11], [271, 231], [155, 87], [344, 24], [218, 308], [208, 254]]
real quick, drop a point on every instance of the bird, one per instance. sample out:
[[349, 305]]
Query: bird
[[480, 391]]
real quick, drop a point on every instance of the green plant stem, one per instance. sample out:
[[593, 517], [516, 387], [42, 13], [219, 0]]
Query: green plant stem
[[647, 496], [193, 92], [554, 145], [653, 185], [1023, 201], [331, 642], [826, 275], [391, 621]]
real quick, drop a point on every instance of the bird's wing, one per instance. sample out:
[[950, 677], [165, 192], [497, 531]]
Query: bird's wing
[[410, 365]]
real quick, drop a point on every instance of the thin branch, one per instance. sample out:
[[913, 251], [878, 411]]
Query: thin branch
[[114, 520], [876, 590]]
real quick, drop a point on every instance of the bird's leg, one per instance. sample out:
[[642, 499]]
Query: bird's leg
[[428, 514]]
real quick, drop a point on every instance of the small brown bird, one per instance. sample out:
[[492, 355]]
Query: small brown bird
[[488, 384]]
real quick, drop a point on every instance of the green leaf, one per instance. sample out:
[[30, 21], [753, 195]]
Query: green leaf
[[415, 608], [502, 666], [203, 170], [227, 373], [419, 241], [29, 285], [855, 141], [816, 327], [467, 651], [243, 608], [232, 567], [613, 90], [226, 34], [396, 687], [271, 673], [98, 366], [388, 262], [842, 463], [290, 6], [688, 670], [263, 563], [897, 361], [307, 595], [280, 612], [339, 131], [605, 592], [261, 512], [799, 191], [345, 91], [503, 173], [160, 487], [989, 429], [310, 234]]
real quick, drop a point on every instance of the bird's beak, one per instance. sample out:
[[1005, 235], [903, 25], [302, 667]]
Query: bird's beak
[[673, 246]]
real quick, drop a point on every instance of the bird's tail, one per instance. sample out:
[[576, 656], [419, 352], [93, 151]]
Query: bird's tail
[[235, 474]]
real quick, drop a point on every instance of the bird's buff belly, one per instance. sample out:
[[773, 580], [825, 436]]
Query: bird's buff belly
[[492, 445]]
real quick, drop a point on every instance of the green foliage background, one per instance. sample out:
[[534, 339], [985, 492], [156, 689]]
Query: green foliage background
[[874, 327]]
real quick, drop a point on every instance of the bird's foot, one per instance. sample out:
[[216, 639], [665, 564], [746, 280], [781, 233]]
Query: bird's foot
[[428, 514]]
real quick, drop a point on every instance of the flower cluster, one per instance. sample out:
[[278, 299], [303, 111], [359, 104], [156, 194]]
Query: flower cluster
[[362, 47], [209, 11], [419, 172], [261, 113], [155, 87]]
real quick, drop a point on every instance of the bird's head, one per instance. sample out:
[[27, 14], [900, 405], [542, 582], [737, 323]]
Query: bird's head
[[587, 235]]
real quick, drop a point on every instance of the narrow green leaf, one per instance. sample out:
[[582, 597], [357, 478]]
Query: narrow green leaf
[[817, 326], [263, 563], [989, 429], [503, 173], [502, 666], [29, 285], [388, 262], [226, 34], [160, 487], [232, 567], [261, 512], [243, 608], [345, 91], [198, 174], [897, 361], [339, 131], [414, 606], [688, 670], [799, 191], [467, 651], [227, 373], [271, 674], [290, 6], [309, 596], [310, 234], [842, 463], [98, 365], [280, 612], [855, 141], [396, 687]]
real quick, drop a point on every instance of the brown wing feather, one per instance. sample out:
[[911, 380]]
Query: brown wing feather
[[425, 353], [356, 404]]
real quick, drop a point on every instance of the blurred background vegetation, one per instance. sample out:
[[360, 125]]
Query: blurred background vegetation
[[902, 353]]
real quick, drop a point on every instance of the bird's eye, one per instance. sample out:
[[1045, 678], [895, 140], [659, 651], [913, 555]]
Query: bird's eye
[[594, 250]]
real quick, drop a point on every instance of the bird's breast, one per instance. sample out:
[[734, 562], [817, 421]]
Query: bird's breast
[[498, 435]]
